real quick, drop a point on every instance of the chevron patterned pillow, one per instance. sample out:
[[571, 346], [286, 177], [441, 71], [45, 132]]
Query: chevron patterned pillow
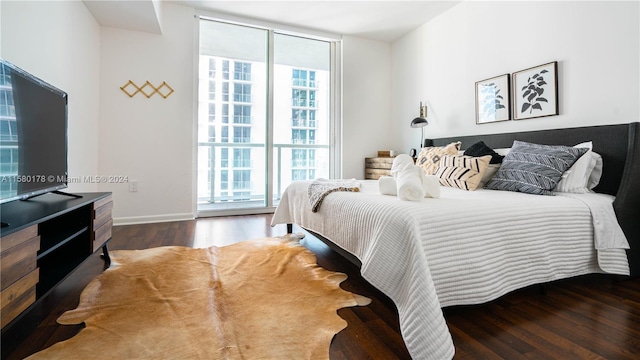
[[462, 172], [533, 168]]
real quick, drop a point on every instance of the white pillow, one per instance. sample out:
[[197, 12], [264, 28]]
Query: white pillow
[[576, 178], [594, 178], [502, 151], [488, 174]]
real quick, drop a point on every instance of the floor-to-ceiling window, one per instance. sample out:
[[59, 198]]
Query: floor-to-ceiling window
[[302, 111], [266, 115], [8, 136]]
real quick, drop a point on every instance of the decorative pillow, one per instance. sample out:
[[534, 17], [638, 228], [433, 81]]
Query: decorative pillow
[[534, 168], [481, 149], [430, 156], [462, 172], [576, 178]]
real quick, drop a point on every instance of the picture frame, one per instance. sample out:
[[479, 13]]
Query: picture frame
[[535, 91], [492, 99]]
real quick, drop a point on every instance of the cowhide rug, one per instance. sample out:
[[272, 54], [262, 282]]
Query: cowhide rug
[[257, 299]]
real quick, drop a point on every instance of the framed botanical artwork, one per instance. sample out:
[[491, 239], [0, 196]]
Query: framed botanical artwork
[[492, 100], [535, 91]]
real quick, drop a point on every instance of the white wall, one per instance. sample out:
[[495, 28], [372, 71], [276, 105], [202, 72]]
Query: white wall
[[366, 93], [149, 140], [59, 43], [596, 44]]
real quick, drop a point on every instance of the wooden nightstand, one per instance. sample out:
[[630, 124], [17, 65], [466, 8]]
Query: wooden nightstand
[[377, 166]]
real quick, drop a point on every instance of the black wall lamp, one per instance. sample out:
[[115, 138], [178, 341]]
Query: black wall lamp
[[421, 121]]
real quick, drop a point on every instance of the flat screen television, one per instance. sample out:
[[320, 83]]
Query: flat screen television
[[33, 135]]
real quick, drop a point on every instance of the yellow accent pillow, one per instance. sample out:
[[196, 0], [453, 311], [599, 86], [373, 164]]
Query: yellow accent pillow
[[430, 156], [462, 172]]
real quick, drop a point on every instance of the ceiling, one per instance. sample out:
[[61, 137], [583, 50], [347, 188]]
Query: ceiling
[[130, 15], [377, 20]]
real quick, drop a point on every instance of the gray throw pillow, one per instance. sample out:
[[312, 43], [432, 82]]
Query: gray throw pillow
[[533, 168]]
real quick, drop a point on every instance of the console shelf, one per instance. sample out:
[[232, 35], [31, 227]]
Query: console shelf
[[65, 238], [42, 241]]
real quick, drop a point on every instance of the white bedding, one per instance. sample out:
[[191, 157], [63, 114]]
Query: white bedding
[[463, 248]]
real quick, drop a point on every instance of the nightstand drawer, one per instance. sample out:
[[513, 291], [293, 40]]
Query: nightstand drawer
[[375, 174], [378, 163]]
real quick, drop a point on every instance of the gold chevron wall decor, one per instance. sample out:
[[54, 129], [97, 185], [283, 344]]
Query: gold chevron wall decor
[[147, 89]]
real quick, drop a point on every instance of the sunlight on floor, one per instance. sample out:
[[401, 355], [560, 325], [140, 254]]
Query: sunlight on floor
[[218, 231]]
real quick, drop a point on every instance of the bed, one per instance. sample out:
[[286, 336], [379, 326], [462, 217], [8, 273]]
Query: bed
[[472, 247]]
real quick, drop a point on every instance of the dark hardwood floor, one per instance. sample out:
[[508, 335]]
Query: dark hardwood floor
[[589, 317]]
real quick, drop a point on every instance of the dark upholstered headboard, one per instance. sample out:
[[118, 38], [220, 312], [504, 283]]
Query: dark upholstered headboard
[[619, 146]]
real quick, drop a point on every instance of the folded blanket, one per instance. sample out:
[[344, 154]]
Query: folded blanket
[[387, 185], [320, 188]]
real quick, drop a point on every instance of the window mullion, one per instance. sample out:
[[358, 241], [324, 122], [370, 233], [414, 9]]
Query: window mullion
[[270, 122]]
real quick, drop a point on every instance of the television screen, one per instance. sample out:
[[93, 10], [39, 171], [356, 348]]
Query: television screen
[[33, 135]]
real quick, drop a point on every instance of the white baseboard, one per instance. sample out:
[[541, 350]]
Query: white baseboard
[[133, 220]]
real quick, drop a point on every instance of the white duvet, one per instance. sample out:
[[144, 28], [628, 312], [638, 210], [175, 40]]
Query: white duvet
[[463, 248]]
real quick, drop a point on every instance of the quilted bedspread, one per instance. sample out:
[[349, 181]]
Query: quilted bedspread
[[463, 248]]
